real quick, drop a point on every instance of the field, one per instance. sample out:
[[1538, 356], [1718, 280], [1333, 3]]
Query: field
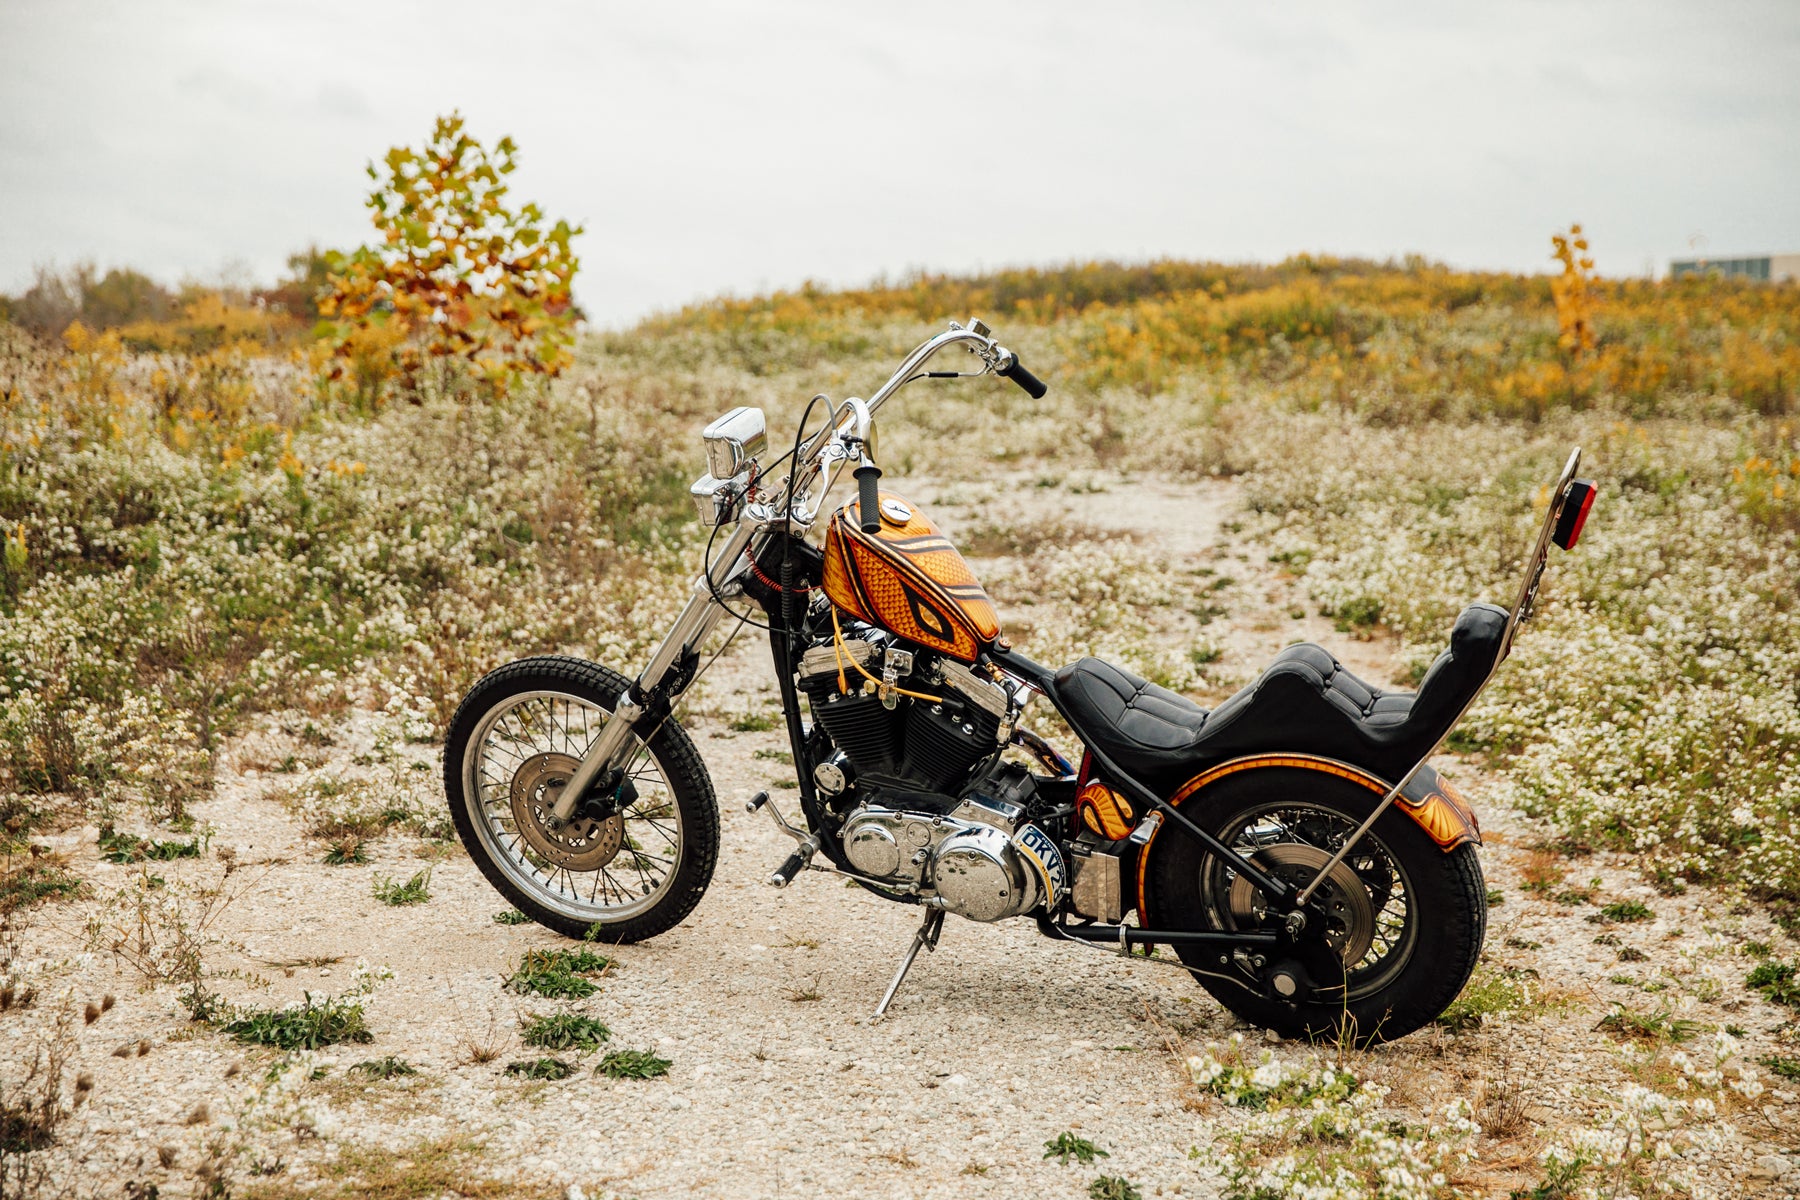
[[237, 606]]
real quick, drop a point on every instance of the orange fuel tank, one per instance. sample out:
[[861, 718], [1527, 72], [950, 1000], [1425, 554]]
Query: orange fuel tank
[[907, 578]]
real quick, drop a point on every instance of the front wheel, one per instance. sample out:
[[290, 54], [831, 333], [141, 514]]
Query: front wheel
[[624, 876], [1405, 920]]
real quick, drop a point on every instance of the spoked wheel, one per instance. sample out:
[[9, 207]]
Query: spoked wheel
[[635, 869], [1402, 921]]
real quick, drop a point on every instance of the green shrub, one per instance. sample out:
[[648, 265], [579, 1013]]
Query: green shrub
[[557, 974], [540, 1068], [563, 1031], [416, 890], [1065, 1146], [310, 1025], [633, 1064], [387, 1067]]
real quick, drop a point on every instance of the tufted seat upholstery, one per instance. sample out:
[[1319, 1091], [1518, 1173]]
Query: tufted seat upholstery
[[1303, 702]]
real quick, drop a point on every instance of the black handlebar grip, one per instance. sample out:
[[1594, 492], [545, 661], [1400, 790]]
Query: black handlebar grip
[[1034, 387], [868, 499]]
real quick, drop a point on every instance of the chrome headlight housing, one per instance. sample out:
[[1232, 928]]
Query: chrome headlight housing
[[732, 445]]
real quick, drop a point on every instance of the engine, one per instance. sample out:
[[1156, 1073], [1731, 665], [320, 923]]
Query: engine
[[899, 778]]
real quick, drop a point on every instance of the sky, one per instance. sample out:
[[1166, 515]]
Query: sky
[[716, 148]]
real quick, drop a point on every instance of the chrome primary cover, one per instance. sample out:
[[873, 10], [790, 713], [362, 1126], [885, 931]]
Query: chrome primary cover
[[979, 875]]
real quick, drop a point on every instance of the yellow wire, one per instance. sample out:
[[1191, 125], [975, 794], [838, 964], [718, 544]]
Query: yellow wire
[[837, 645]]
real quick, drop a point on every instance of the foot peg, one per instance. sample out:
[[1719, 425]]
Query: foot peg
[[796, 863]]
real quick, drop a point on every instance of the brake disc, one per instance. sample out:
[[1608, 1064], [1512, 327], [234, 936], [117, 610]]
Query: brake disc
[[583, 844], [1350, 917]]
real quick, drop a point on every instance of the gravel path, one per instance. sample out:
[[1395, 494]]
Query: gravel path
[[780, 1085]]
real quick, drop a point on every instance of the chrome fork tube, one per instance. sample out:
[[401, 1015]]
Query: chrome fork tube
[[697, 619]]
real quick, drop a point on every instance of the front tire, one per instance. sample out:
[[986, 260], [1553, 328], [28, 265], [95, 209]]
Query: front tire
[[514, 739], [1414, 945]]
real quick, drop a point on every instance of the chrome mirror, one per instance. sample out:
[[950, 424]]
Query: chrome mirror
[[734, 440]]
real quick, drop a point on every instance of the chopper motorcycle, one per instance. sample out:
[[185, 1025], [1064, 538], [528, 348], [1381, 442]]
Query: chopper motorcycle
[[1293, 847]]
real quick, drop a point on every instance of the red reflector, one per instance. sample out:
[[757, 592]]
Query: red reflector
[[1575, 513]]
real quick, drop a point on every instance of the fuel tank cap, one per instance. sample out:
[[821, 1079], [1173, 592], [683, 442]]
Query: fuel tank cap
[[896, 510]]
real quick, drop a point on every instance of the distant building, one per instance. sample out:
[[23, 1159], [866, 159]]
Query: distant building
[[1766, 268]]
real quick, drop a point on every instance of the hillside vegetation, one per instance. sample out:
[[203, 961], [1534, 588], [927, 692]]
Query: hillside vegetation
[[197, 531]]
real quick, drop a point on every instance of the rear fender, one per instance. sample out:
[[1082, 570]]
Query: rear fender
[[1438, 808]]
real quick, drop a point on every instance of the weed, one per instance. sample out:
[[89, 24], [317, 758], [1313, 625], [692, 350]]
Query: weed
[[557, 974], [309, 1025], [1757, 950], [563, 1031], [386, 1067], [1628, 1024], [347, 851], [1624, 911], [633, 1064], [1489, 994], [752, 722], [540, 1068], [416, 890], [1113, 1187], [34, 880], [1786, 1068], [1065, 1146], [129, 848], [1495, 897], [511, 916], [806, 993], [1776, 981], [1632, 954]]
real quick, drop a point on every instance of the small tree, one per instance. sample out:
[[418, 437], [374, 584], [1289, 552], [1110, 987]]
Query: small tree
[[456, 276], [1573, 292]]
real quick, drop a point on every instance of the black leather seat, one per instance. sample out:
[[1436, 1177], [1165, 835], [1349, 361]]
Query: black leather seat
[[1304, 702]]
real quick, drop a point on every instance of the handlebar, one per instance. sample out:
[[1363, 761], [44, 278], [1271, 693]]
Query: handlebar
[[847, 436]]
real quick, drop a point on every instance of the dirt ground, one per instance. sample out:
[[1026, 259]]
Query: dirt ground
[[780, 1085]]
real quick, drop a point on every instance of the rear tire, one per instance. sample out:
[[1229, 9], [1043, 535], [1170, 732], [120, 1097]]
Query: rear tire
[[1431, 907], [667, 842]]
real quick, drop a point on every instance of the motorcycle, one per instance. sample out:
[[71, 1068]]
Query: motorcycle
[[1294, 847]]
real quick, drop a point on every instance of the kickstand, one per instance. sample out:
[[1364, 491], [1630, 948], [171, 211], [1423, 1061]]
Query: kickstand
[[926, 937]]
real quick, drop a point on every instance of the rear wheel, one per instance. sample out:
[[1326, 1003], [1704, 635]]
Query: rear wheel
[[1403, 921], [624, 875]]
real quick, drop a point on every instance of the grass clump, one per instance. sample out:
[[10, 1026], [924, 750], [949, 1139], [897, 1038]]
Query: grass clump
[[557, 974], [310, 1025], [1113, 1187], [416, 890], [511, 916], [34, 881], [1065, 1146], [563, 1031], [129, 848], [633, 1064], [386, 1067], [1624, 911], [1628, 1024], [1776, 982], [349, 851], [540, 1068], [1487, 996]]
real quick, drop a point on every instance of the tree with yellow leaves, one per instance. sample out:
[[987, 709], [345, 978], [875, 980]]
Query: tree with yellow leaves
[[457, 275], [1573, 293]]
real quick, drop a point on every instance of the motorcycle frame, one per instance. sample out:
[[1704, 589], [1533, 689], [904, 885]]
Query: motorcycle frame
[[653, 693]]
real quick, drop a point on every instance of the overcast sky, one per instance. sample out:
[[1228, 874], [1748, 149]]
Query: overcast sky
[[713, 147]]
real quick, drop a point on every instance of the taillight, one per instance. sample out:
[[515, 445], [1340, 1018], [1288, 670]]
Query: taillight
[[1574, 513]]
